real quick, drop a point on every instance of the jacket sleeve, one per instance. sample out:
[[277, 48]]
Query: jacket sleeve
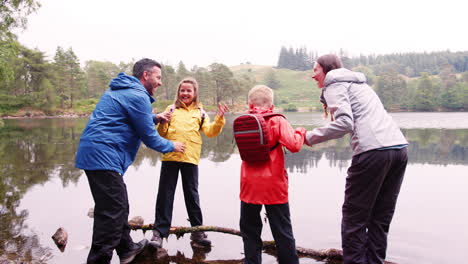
[[139, 111], [340, 107], [163, 127], [291, 138], [212, 129]]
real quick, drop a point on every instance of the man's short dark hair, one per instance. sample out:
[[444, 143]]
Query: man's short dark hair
[[144, 65]]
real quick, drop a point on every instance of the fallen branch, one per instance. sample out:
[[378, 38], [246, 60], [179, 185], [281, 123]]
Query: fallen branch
[[323, 254]]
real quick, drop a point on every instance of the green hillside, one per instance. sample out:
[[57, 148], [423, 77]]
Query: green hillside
[[296, 87]]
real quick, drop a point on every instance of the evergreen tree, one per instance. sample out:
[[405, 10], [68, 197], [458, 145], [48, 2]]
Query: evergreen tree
[[182, 71], [169, 82], [69, 78], [13, 15], [425, 97], [455, 97], [282, 60], [223, 81], [391, 89], [98, 75]]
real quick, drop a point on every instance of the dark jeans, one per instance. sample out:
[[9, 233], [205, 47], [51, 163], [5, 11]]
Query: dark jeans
[[110, 230], [372, 188], [280, 224], [165, 200]]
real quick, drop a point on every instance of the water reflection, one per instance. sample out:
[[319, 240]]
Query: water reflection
[[427, 146], [31, 151], [34, 151]]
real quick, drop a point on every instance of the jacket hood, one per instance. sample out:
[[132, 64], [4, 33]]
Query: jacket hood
[[344, 75], [124, 81]]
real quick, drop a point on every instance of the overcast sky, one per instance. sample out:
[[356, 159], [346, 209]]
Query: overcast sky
[[200, 32]]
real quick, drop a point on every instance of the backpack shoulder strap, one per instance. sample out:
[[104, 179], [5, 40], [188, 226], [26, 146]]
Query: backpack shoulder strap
[[171, 110], [269, 115], [266, 117], [203, 115]]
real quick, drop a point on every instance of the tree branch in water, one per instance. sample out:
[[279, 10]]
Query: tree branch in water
[[331, 254]]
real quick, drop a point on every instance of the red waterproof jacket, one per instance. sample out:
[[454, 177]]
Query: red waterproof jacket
[[267, 182]]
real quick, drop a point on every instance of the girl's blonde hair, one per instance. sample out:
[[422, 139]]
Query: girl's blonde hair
[[261, 96], [194, 83]]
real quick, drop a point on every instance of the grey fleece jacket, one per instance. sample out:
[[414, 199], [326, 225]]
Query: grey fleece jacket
[[357, 110]]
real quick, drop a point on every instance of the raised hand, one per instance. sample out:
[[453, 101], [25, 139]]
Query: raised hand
[[222, 108]]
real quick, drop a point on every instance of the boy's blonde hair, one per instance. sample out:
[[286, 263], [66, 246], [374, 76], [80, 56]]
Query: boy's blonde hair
[[194, 83], [261, 96]]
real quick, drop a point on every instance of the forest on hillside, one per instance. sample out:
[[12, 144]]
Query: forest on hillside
[[405, 81], [436, 81]]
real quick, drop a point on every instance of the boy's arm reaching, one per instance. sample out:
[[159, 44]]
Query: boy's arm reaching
[[291, 138]]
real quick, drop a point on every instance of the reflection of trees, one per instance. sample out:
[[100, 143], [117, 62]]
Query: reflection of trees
[[438, 146], [33, 150], [433, 146], [30, 152], [217, 149], [220, 148], [337, 152]]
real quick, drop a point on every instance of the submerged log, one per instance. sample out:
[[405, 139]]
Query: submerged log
[[331, 254]]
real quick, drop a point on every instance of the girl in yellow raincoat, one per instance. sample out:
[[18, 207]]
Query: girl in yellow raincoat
[[187, 119]]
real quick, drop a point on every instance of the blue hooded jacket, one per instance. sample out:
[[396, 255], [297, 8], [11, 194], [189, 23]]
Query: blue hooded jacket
[[118, 124]]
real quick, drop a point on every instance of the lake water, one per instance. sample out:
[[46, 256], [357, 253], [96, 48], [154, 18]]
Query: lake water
[[40, 190]]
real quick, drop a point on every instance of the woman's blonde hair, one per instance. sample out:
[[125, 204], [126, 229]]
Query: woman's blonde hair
[[194, 83], [261, 95]]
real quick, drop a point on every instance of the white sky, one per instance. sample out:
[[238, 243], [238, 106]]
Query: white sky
[[200, 32]]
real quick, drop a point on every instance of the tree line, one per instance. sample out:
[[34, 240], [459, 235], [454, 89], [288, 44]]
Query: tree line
[[62, 82], [410, 64], [405, 81]]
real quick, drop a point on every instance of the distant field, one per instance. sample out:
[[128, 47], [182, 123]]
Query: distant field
[[297, 87]]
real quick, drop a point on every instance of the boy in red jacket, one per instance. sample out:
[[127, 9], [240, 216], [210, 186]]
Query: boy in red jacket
[[266, 183]]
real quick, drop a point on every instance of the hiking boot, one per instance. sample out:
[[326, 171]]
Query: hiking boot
[[199, 237], [137, 249], [156, 240]]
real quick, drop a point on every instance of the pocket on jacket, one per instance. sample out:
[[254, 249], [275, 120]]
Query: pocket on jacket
[[196, 140]]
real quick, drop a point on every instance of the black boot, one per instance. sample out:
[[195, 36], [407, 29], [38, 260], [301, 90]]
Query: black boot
[[137, 249], [200, 238]]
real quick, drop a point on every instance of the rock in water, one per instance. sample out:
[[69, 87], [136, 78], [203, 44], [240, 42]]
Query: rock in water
[[60, 238], [91, 213], [137, 220]]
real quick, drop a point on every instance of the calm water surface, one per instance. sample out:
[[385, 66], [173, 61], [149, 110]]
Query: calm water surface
[[40, 190]]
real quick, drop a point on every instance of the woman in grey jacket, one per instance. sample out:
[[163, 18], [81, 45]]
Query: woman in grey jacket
[[379, 158]]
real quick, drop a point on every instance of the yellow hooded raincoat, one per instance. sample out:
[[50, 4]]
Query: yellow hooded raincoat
[[185, 127]]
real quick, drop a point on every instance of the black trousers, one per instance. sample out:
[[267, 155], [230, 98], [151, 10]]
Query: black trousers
[[110, 230], [281, 228], [372, 187], [167, 186]]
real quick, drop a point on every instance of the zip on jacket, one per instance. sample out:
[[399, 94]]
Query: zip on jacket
[[185, 127]]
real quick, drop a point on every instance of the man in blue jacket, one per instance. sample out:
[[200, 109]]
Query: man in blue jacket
[[121, 120]]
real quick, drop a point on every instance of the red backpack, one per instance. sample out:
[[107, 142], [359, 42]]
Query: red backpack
[[251, 135]]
